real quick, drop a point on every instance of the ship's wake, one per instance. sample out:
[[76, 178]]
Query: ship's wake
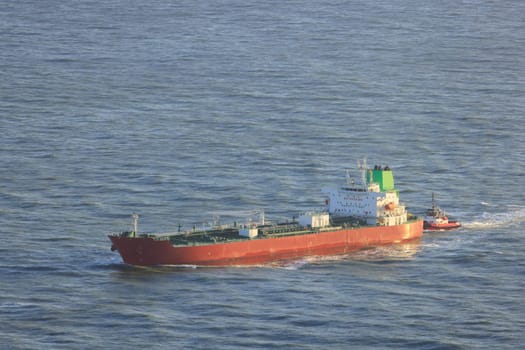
[[512, 217]]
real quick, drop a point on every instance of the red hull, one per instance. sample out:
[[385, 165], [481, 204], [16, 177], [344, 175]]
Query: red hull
[[148, 251], [438, 227]]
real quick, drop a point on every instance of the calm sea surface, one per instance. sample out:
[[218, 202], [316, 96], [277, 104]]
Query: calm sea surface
[[183, 110]]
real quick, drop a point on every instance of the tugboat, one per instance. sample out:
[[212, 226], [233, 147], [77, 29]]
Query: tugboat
[[436, 219]]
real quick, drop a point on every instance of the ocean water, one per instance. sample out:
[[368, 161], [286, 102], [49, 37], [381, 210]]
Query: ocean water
[[185, 110]]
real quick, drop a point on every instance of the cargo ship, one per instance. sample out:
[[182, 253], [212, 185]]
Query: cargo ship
[[357, 215]]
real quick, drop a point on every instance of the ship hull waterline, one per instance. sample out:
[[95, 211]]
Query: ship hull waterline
[[441, 227], [147, 251]]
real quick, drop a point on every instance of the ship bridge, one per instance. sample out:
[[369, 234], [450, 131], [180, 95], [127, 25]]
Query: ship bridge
[[376, 201]]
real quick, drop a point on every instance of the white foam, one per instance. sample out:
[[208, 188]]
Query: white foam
[[512, 217]]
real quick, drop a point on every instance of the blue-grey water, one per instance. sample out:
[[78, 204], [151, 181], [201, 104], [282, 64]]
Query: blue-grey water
[[180, 110]]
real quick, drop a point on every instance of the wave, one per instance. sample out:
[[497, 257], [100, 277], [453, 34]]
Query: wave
[[386, 253], [514, 216]]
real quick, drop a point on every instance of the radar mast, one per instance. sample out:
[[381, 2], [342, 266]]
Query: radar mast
[[362, 165]]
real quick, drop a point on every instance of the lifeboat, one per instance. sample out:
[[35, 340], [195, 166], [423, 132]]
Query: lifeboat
[[390, 206]]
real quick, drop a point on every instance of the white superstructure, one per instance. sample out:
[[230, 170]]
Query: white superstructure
[[376, 201]]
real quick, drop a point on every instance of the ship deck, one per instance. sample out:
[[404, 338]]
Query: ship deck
[[231, 234], [225, 234]]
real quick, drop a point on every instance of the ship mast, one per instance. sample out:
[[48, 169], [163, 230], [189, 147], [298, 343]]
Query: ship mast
[[135, 223], [261, 215], [363, 167]]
